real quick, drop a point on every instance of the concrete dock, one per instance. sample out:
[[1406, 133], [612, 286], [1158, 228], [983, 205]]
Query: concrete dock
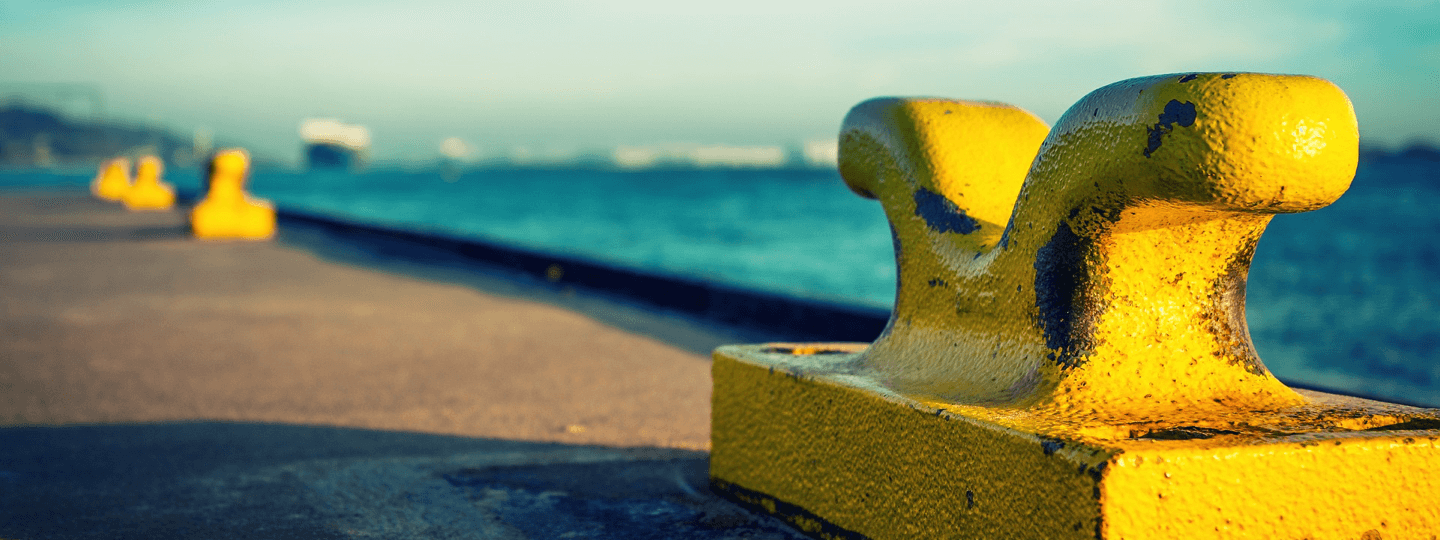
[[155, 386]]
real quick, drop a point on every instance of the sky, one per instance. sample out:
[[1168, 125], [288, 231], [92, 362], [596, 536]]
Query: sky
[[556, 77]]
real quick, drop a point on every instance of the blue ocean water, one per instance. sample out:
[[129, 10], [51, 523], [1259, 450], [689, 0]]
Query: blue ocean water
[[1345, 297]]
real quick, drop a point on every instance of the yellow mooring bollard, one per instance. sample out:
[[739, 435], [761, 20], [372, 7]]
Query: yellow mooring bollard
[[113, 180], [1068, 355], [148, 192], [227, 212]]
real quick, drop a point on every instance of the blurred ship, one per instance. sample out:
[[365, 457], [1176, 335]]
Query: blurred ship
[[455, 156], [330, 143]]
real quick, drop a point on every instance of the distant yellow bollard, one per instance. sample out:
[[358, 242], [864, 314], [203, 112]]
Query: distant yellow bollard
[[148, 192], [227, 212], [113, 180], [1068, 355]]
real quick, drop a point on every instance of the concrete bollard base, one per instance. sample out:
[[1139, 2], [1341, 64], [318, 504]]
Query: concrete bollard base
[[800, 431]]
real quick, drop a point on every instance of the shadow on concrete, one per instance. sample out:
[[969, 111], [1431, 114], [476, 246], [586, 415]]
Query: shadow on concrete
[[252, 480]]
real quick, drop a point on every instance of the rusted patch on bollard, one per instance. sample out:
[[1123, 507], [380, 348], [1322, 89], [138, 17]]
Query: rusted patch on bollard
[[941, 215], [1176, 114]]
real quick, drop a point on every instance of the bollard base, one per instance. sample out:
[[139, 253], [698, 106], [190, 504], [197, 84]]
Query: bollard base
[[798, 431]]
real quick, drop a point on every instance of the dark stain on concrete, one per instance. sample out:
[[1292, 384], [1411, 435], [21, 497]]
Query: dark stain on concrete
[[230, 480], [614, 500], [791, 513]]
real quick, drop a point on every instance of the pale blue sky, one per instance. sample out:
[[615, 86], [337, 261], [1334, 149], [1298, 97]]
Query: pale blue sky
[[555, 75]]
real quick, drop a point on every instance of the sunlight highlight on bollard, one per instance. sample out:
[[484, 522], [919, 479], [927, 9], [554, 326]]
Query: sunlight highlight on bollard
[[148, 192], [1068, 355], [227, 212], [113, 180]]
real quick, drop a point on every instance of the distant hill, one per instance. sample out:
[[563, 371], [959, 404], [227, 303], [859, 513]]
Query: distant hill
[[35, 137]]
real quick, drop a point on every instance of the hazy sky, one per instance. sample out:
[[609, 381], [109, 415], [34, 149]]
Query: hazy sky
[[556, 76]]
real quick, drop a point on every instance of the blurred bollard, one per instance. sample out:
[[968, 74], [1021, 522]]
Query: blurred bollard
[[148, 192], [1068, 355], [227, 212], [113, 180]]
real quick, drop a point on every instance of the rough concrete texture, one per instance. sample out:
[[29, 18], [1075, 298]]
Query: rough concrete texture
[[118, 317], [158, 386]]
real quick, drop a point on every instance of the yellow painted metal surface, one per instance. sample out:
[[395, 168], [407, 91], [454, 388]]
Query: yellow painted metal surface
[[1078, 293], [113, 180], [227, 212], [1128, 247], [811, 439], [148, 192]]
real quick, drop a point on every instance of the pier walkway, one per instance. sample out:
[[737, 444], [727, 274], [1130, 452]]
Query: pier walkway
[[156, 386]]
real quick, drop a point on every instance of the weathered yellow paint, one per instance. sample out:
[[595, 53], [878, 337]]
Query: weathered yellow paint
[[227, 212], [113, 180], [972, 154], [1058, 363], [811, 439], [148, 192], [1120, 258]]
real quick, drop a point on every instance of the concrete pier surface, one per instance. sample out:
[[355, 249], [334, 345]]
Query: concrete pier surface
[[156, 386]]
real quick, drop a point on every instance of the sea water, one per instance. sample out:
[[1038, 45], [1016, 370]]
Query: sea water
[[1345, 297]]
